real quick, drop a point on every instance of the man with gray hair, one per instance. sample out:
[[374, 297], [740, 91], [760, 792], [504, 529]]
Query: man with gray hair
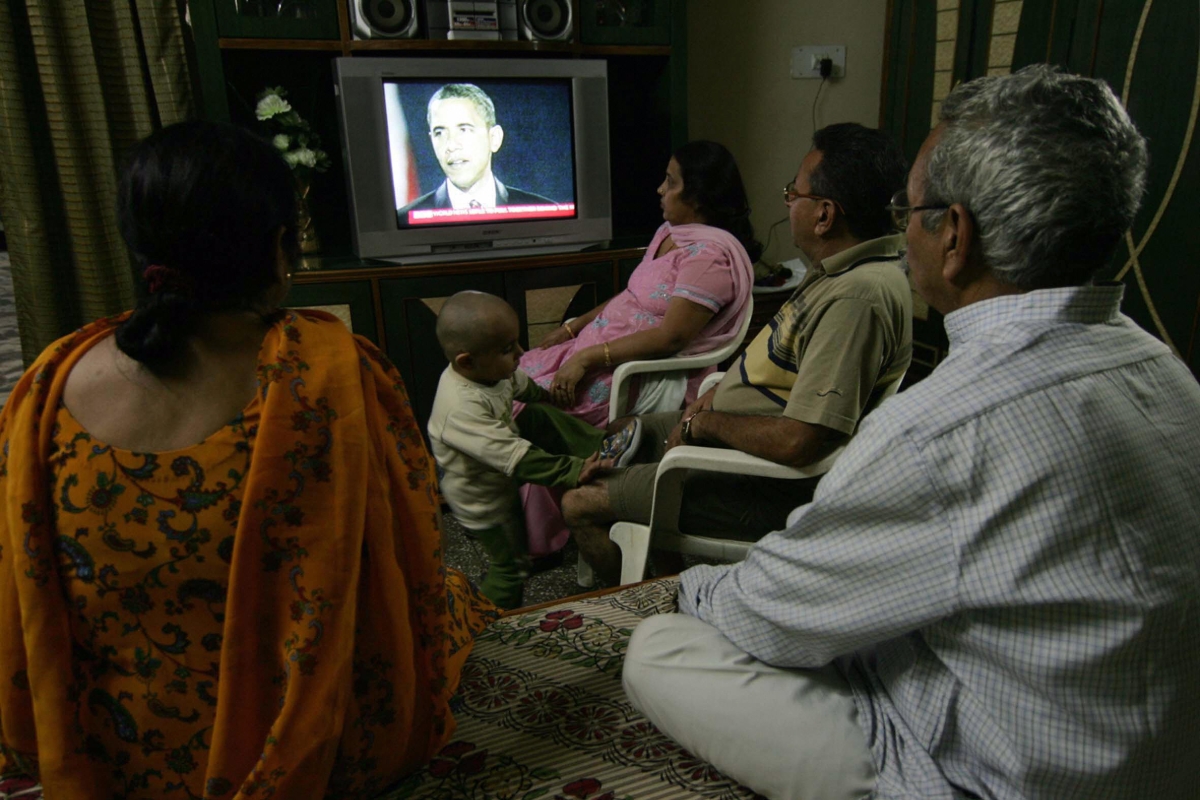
[[464, 135], [995, 591]]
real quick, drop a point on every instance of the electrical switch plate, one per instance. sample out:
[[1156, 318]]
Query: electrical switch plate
[[806, 60]]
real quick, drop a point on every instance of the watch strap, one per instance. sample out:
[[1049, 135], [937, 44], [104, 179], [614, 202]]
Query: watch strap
[[686, 432]]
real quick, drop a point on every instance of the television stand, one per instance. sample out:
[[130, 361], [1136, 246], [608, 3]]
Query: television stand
[[457, 253], [396, 305]]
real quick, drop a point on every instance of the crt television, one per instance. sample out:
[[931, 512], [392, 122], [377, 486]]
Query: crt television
[[410, 162]]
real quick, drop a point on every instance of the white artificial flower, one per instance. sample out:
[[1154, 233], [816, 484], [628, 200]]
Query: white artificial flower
[[270, 106], [281, 142], [306, 157]]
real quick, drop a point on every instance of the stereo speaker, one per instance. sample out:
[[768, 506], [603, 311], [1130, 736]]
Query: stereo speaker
[[546, 20], [384, 19]]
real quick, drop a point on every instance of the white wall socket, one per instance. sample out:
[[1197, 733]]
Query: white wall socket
[[806, 60]]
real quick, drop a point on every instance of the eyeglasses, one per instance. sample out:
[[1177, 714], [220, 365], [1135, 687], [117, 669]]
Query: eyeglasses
[[902, 212], [790, 195]]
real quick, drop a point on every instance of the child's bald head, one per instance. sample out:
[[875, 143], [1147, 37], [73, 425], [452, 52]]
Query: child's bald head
[[472, 322]]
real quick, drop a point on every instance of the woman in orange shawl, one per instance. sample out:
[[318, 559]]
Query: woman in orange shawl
[[265, 612]]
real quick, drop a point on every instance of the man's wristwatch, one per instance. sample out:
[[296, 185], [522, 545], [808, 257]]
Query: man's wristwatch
[[686, 432]]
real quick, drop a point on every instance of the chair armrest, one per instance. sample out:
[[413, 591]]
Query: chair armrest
[[619, 396], [668, 479], [720, 459], [666, 364], [710, 380]]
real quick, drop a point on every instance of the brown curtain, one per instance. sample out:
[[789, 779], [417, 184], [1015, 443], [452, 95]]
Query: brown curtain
[[80, 82]]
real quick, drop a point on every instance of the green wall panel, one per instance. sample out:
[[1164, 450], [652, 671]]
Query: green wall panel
[[1149, 52]]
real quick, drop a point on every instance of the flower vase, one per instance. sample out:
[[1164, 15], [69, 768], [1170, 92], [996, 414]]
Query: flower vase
[[309, 241]]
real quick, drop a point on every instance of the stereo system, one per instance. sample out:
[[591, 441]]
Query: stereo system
[[538, 20], [471, 19]]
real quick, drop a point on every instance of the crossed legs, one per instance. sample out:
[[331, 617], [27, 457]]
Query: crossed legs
[[785, 733]]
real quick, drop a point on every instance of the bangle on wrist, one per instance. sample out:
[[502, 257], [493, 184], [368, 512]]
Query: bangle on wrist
[[607, 356], [569, 331]]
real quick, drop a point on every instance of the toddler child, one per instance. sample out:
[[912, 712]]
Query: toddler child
[[483, 455]]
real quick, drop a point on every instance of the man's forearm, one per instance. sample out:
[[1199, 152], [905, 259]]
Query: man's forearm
[[779, 439]]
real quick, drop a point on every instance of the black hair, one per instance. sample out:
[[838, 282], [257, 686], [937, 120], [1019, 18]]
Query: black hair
[[713, 185], [204, 200], [861, 168]]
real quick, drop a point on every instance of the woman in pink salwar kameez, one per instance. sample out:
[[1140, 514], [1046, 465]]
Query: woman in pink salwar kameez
[[688, 295]]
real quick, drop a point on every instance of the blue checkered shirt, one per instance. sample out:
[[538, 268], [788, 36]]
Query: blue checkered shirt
[[1004, 564]]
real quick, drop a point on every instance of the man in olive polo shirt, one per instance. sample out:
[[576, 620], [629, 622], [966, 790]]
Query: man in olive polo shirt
[[806, 380]]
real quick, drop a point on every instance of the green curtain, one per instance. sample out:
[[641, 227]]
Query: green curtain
[[80, 82]]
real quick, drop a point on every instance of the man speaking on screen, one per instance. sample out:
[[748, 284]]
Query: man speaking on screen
[[464, 135]]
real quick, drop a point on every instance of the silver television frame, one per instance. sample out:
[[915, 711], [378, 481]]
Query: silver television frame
[[362, 117]]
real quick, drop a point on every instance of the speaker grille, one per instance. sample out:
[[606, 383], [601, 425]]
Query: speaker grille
[[388, 17], [547, 19]]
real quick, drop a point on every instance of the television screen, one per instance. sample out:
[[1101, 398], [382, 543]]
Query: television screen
[[473, 157], [481, 151]]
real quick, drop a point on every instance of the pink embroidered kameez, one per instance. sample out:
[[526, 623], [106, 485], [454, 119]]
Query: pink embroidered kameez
[[709, 267]]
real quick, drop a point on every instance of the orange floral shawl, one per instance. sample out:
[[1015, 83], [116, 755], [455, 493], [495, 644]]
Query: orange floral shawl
[[341, 634]]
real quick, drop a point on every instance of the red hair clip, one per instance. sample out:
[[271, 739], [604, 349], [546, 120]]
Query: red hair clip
[[158, 277]]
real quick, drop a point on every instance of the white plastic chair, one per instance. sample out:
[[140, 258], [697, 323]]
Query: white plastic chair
[[634, 538], [623, 374], [619, 397]]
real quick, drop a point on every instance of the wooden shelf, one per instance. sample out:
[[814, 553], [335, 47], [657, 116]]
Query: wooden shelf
[[279, 44], [338, 266], [444, 46], [626, 49], [463, 45]]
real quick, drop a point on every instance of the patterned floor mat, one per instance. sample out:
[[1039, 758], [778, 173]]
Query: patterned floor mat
[[541, 713]]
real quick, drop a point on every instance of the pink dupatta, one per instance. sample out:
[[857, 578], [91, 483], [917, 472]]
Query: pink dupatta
[[724, 326]]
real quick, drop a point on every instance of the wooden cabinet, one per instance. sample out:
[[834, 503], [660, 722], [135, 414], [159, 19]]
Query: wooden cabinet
[[353, 302], [587, 284], [277, 19], [397, 306], [240, 52], [625, 21]]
